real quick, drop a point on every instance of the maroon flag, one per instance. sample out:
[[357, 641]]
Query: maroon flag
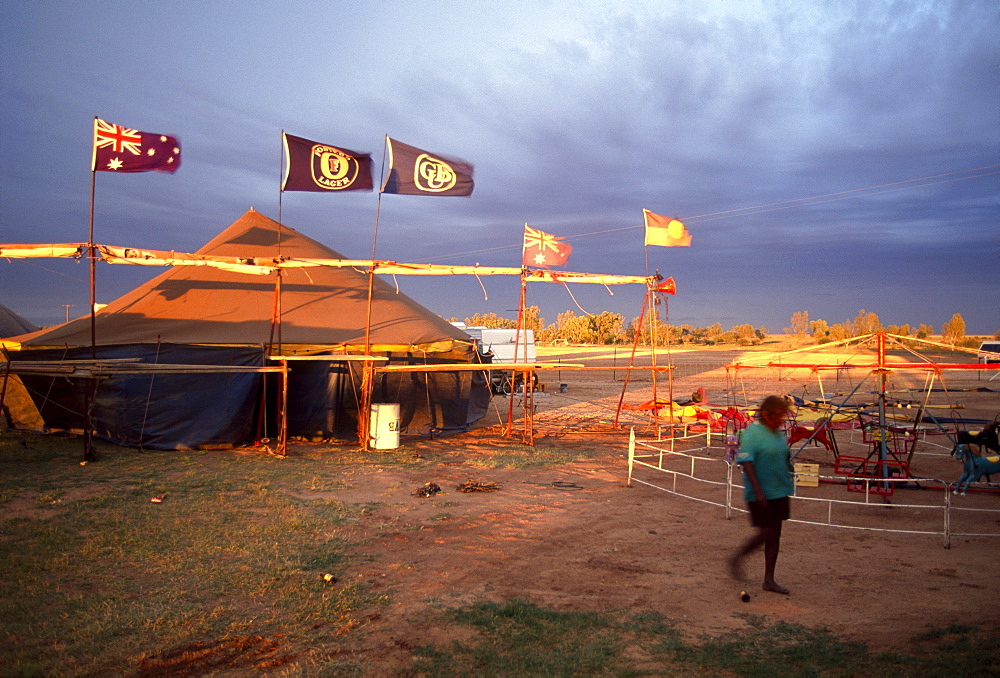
[[311, 166], [664, 231], [542, 250], [120, 149], [416, 172]]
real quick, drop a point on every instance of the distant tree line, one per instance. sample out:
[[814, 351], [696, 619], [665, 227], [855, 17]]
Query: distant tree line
[[866, 322], [610, 328]]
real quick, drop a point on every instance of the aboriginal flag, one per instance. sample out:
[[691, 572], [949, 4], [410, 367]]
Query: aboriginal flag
[[664, 231], [312, 166], [120, 149], [413, 171]]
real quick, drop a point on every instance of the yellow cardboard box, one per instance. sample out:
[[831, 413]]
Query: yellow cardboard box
[[806, 475]]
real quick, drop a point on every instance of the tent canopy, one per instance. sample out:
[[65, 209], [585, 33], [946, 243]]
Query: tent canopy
[[11, 324], [321, 309], [204, 316]]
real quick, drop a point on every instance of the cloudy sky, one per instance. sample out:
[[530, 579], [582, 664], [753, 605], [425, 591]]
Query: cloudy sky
[[826, 156]]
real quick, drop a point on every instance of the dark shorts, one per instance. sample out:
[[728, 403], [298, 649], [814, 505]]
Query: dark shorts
[[769, 514]]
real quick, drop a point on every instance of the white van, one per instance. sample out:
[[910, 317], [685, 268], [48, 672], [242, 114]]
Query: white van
[[989, 347], [500, 344]]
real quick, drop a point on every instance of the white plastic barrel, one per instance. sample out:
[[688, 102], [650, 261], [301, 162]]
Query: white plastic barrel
[[383, 427]]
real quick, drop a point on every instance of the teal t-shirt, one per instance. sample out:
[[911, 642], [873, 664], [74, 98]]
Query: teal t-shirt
[[770, 454]]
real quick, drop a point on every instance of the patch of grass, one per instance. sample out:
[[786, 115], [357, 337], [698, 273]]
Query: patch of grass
[[957, 650], [519, 638], [401, 456], [99, 579], [48, 498], [524, 456], [769, 648]]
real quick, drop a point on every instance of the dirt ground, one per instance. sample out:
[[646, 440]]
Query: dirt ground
[[576, 537]]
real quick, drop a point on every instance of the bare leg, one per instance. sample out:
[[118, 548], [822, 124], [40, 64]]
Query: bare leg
[[772, 543], [749, 546]]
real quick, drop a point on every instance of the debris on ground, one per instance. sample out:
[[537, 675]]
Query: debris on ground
[[428, 490], [478, 486]]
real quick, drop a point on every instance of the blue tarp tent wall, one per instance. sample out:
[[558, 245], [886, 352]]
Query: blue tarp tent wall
[[206, 316]]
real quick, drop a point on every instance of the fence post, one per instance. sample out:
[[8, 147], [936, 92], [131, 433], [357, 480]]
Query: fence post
[[631, 454], [947, 516], [729, 490]]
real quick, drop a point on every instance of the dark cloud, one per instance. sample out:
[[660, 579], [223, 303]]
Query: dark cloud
[[757, 124]]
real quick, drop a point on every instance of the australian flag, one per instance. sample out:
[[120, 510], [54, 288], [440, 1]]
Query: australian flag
[[120, 149]]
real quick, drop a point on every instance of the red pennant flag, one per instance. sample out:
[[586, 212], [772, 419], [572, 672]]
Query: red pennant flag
[[121, 149], [311, 166], [664, 231], [668, 286], [542, 250]]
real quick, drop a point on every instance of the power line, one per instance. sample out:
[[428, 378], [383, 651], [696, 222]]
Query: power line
[[905, 185]]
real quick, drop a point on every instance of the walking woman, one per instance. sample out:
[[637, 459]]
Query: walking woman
[[765, 459]]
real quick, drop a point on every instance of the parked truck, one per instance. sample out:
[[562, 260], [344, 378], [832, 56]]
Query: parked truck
[[986, 349], [500, 346]]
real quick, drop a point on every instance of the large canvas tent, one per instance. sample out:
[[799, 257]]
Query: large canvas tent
[[194, 315], [12, 324]]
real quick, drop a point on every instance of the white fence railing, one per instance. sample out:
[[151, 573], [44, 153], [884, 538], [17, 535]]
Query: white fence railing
[[694, 475]]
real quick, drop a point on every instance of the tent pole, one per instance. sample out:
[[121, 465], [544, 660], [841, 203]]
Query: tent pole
[[283, 435], [277, 316], [513, 373], [6, 378], [631, 359], [275, 328]]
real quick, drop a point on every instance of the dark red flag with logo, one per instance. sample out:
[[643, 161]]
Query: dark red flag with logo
[[121, 149], [312, 166], [413, 171]]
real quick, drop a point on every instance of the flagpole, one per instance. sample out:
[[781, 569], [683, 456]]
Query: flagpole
[[652, 338], [93, 268], [631, 360], [276, 320], [367, 377], [513, 373], [517, 338], [281, 167], [670, 362], [89, 453], [280, 271]]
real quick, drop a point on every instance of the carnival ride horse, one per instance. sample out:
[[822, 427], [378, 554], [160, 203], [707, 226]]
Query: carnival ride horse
[[989, 438], [817, 433], [973, 467]]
